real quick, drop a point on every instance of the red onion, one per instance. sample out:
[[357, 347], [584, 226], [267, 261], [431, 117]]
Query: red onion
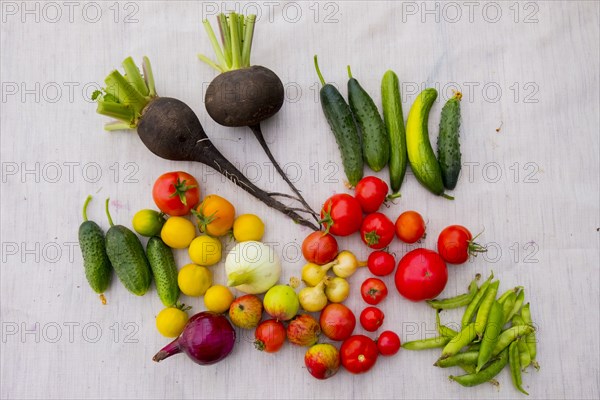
[[207, 338]]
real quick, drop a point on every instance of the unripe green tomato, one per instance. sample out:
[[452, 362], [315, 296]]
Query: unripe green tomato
[[148, 222]]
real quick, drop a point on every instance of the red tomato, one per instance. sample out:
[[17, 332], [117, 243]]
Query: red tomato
[[381, 263], [270, 336], [410, 226], [319, 248], [377, 231], [373, 291], [371, 318], [359, 354], [341, 215], [421, 275], [455, 244], [176, 193], [371, 193], [337, 321], [388, 343]]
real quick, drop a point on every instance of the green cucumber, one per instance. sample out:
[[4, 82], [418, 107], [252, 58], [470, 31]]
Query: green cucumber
[[448, 144], [420, 154], [164, 270], [96, 264], [394, 123], [126, 254], [375, 141], [342, 124]]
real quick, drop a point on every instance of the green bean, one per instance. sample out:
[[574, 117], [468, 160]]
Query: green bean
[[470, 369], [514, 290], [457, 301], [425, 344], [508, 305], [517, 306], [515, 367], [443, 330], [524, 356], [484, 309], [491, 336], [510, 335], [474, 304], [464, 338], [466, 358], [530, 339], [485, 374]]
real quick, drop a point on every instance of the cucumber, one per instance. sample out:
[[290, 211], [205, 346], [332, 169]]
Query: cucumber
[[164, 270], [394, 123], [127, 257], [420, 154], [448, 144], [375, 142], [342, 124], [96, 264]]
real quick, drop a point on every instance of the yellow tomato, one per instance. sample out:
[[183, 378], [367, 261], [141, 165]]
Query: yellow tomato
[[218, 298], [171, 321], [178, 232], [205, 250], [215, 215], [248, 227], [194, 280]]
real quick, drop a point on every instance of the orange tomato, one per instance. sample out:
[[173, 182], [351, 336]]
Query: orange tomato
[[215, 215]]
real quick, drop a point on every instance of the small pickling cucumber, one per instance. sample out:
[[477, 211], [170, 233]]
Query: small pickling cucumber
[[394, 123], [126, 254], [448, 144], [375, 141], [342, 124], [98, 270], [420, 154], [164, 270]]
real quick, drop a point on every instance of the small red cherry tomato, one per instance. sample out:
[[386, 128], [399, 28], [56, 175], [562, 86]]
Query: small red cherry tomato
[[388, 343], [377, 231], [341, 215], [455, 244], [373, 291], [359, 353], [410, 227], [371, 318], [381, 263], [371, 193]]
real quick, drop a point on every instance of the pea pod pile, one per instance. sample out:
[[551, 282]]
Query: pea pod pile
[[495, 332]]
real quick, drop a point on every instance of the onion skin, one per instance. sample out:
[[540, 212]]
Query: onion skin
[[206, 339]]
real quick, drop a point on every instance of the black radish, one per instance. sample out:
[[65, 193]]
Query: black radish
[[243, 95], [171, 130]]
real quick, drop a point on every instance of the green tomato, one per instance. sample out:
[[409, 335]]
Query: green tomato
[[148, 222]]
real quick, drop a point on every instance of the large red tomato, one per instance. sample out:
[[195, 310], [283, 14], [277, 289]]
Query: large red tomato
[[319, 248], [421, 275], [176, 193], [359, 354], [341, 215]]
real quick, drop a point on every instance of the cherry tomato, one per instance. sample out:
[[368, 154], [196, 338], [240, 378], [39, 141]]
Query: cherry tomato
[[388, 343], [215, 215], [341, 215], [319, 248], [337, 321], [371, 193], [371, 318], [455, 244], [359, 353], [377, 231], [176, 193], [270, 336], [373, 291], [421, 275], [410, 227], [381, 263]]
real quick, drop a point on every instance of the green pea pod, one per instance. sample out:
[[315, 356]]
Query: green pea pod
[[518, 320], [464, 338], [531, 340], [492, 333], [515, 367], [510, 335], [517, 306], [485, 374], [431, 343], [508, 305], [474, 304], [514, 290], [474, 347], [485, 307], [443, 330], [524, 356], [457, 301], [466, 358], [470, 369]]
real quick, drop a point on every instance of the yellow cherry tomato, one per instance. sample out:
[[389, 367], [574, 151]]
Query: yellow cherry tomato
[[171, 321], [215, 215], [218, 298], [194, 280], [178, 232], [248, 227], [205, 250]]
